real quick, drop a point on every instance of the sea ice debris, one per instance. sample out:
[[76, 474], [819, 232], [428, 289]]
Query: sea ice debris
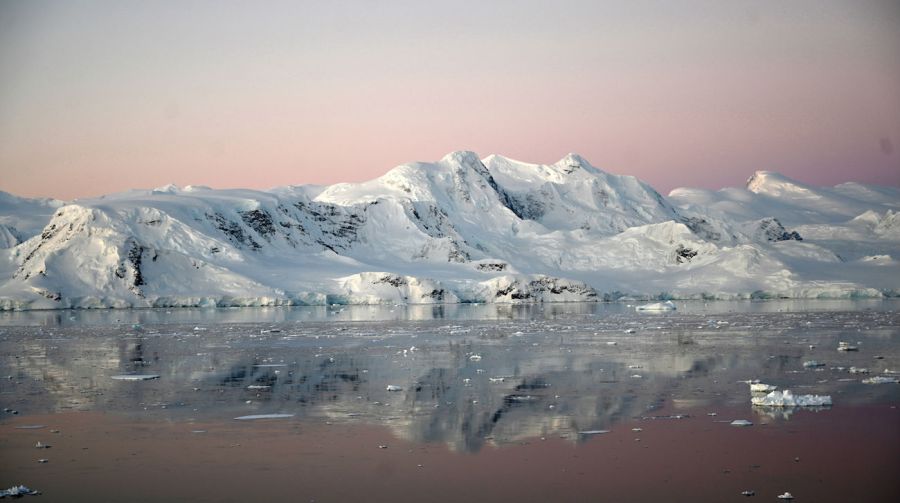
[[741, 422], [393, 387], [845, 346], [786, 496], [593, 432], [813, 364], [762, 388], [787, 399], [17, 491], [135, 377], [881, 380], [263, 416], [657, 306]]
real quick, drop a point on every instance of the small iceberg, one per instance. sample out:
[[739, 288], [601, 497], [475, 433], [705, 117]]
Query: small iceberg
[[758, 387], [786, 496], [845, 346], [811, 364], [593, 432], [393, 387], [881, 380], [263, 416], [741, 422], [657, 306], [787, 399], [18, 491], [135, 377]]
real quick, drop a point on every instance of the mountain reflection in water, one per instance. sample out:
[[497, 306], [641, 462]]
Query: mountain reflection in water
[[484, 376]]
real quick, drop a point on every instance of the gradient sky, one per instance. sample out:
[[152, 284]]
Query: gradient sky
[[103, 96]]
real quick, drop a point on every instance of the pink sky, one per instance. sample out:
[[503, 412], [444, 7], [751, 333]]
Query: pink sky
[[98, 97]]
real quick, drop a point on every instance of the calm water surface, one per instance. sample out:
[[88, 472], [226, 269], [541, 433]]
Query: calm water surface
[[490, 403]]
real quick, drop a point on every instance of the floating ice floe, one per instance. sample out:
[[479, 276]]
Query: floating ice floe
[[741, 422], [18, 491], [786, 496], [593, 432], [393, 387], [845, 346], [135, 377], [758, 387], [263, 416], [881, 380], [475, 358], [857, 370], [813, 364], [258, 386], [787, 399], [657, 306]]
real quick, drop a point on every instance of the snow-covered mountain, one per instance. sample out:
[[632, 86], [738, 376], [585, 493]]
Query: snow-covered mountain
[[461, 229]]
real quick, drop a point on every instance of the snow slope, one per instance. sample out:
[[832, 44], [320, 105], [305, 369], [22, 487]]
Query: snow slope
[[460, 229]]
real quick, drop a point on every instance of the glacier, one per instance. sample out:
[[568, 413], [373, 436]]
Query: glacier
[[459, 230]]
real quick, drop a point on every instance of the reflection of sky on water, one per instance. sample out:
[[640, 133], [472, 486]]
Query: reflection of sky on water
[[543, 370]]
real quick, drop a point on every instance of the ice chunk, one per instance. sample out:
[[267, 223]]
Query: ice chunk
[[393, 387], [475, 358], [18, 491], [593, 432], [758, 387], [786, 496], [135, 377], [741, 422], [657, 306], [787, 399], [259, 386], [845, 346], [857, 370], [748, 493], [813, 364], [881, 380], [263, 416]]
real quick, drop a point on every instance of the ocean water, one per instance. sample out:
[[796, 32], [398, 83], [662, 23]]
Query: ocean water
[[478, 381]]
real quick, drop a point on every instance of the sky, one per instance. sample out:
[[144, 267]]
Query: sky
[[104, 96]]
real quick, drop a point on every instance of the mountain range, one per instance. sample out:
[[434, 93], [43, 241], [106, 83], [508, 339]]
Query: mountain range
[[462, 229]]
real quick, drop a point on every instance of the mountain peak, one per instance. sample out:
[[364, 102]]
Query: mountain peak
[[462, 157], [776, 184]]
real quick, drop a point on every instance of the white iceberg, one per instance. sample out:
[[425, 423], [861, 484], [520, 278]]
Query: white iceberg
[[758, 387], [135, 377], [741, 422], [18, 491], [787, 399], [263, 416], [881, 380], [657, 306], [393, 387], [845, 346]]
